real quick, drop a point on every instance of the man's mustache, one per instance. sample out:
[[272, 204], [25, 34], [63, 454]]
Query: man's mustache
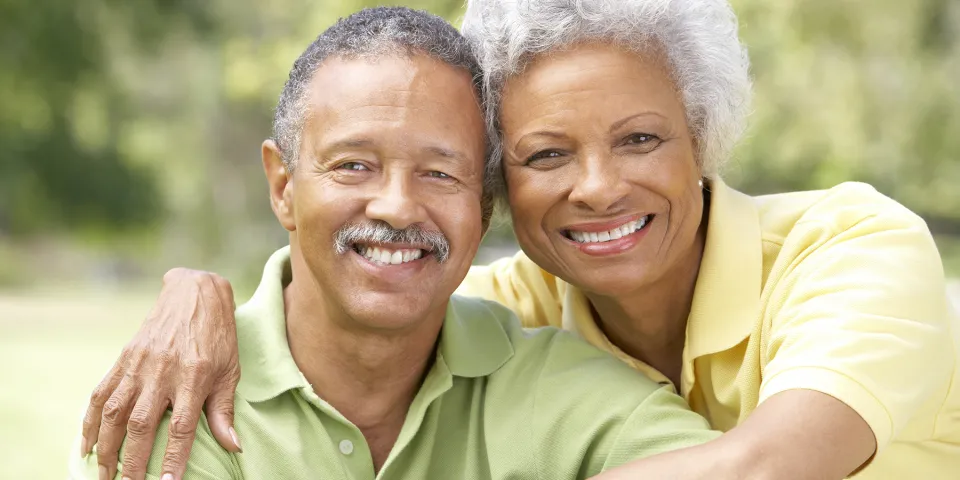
[[380, 232]]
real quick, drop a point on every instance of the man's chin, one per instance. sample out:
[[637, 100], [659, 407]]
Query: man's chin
[[393, 311]]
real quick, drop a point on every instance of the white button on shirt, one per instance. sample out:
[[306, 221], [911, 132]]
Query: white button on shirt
[[346, 447]]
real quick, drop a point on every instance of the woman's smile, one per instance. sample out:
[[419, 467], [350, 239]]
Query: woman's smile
[[607, 238]]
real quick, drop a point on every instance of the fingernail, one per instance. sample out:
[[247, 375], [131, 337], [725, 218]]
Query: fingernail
[[127, 478], [103, 473], [167, 476], [236, 441], [83, 448]]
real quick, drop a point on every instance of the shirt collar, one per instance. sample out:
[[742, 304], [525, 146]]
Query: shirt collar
[[727, 293], [472, 342], [726, 298]]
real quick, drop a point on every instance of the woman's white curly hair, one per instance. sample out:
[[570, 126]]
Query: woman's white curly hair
[[698, 38]]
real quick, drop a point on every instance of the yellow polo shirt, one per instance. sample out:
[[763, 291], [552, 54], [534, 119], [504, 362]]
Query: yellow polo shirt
[[840, 291]]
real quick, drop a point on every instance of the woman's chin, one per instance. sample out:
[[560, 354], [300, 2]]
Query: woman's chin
[[614, 280]]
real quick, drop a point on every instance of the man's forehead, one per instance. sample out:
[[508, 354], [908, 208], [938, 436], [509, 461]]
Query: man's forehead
[[356, 102], [348, 81]]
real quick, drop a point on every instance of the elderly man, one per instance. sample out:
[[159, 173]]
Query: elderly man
[[358, 363]]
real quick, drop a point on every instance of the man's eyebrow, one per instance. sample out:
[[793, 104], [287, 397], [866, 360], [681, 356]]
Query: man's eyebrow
[[350, 143], [444, 152]]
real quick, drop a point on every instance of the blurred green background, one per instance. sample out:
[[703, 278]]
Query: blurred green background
[[130, 133]]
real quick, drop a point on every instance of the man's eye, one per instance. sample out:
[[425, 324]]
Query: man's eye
[[436, 174], [356, 166]]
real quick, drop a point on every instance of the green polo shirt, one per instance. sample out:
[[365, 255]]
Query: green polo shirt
[[498, 402]]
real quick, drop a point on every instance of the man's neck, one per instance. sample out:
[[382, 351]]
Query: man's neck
[[370, 377]]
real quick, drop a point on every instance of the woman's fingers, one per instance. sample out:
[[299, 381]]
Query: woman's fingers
[[113, 426], [183, 426], [143, 422], [94, 415], [219, 409]]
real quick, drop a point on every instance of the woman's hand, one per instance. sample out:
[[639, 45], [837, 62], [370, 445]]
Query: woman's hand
[[184, 355]]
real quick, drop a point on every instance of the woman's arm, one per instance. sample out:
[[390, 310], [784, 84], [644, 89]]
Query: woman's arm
[[797, 434], [859, 340], [184, 355]]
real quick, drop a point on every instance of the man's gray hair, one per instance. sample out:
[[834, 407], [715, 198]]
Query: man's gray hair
[[698, 38], [371, 33]]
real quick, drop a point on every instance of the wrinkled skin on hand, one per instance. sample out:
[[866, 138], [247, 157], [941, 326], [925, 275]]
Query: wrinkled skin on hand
[[184, 357]]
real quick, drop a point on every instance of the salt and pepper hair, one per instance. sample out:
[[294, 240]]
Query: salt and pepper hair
[[698, 39], [371, 33]]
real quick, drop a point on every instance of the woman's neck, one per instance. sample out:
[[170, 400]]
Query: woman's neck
[[650, 323]]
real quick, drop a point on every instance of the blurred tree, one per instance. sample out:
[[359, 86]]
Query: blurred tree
[[856, 90], [116, 115], [60, 111]]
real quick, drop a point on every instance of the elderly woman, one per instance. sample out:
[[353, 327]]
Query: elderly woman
[[812, 327]]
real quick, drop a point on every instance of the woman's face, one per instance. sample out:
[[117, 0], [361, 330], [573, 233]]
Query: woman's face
[[600, 168]]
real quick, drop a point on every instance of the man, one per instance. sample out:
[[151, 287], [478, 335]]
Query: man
[[357, 361]]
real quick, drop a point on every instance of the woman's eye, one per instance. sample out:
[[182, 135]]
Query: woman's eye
[[356, 166], [436, 174], [543, 155], [643, 139]]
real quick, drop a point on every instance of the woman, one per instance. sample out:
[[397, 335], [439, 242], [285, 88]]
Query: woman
[[811, 327]]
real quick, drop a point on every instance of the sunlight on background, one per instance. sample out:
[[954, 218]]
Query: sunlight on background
[[131, 132]]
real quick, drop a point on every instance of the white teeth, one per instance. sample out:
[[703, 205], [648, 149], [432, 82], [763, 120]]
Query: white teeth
[[384, 256], [612, 234]]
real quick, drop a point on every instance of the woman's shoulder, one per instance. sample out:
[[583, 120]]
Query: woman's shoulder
[[845, 207], [519, 284]]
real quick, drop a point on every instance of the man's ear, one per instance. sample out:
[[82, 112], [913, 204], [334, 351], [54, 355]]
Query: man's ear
[[280, 181]]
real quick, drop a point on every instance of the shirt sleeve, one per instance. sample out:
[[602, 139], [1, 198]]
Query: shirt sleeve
[[520, 285], [863, 317], [593, 413], [208, 461]]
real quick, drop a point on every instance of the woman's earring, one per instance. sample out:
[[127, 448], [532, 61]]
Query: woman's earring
[[700, 183]]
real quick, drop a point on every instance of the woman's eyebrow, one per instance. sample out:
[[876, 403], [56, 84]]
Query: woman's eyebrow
[[623, 121]]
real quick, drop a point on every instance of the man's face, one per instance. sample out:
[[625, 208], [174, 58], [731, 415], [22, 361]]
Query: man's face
[[396, 142]]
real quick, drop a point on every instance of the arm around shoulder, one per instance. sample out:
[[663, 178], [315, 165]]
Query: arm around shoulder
[[208, 461]]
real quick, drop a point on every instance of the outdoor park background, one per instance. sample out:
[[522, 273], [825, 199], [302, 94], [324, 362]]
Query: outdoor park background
[[130, 132]]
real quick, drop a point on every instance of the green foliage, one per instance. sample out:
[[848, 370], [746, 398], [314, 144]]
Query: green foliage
[[61, 116], [131, 120], [856, 90]]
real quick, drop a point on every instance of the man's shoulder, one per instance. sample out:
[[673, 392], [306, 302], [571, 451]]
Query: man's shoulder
[[571, 409], [548, 361]]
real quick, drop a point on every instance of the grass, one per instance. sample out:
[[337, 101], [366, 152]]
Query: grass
[[54, 348]]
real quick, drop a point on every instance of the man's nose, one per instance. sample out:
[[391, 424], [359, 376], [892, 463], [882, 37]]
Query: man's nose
[[398, 202]]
